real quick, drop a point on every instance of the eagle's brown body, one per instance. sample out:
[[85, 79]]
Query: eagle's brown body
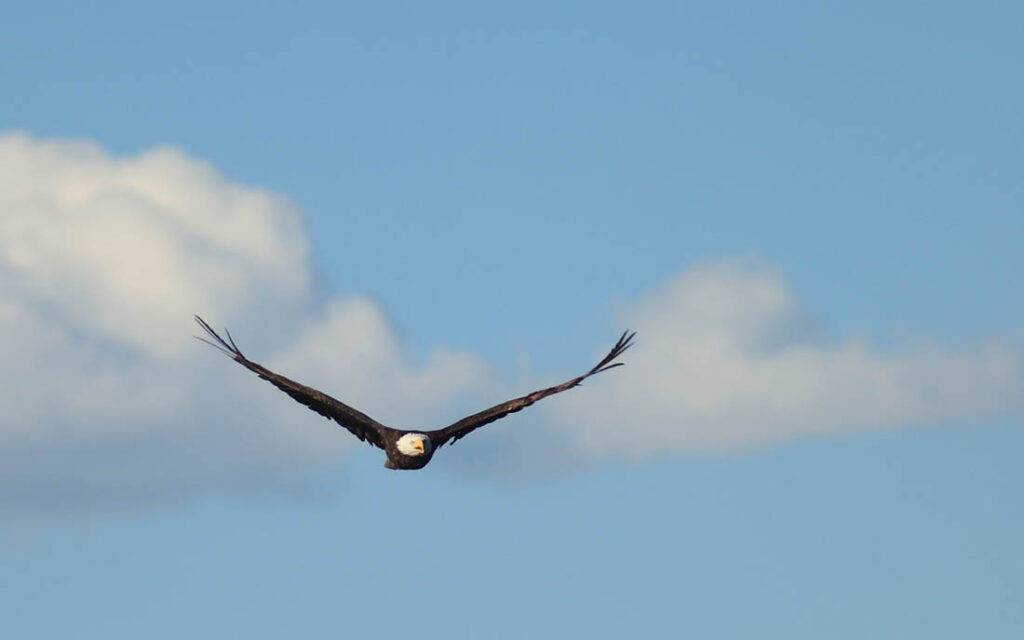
[[398, 460]]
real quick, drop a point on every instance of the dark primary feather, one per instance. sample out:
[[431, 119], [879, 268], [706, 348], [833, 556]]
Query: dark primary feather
[[361, 425], [466, 425]]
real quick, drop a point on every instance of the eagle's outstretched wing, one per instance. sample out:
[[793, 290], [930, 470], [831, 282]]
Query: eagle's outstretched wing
[[464, 426], [361, 425]]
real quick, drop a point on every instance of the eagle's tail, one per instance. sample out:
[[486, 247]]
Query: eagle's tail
[[228, 348]]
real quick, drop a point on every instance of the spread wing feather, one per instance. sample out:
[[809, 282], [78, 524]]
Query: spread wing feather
[[463, 427], [361, 425]]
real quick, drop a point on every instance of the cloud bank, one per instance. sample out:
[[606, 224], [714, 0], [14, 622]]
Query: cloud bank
[[107, 400], [728, 359], [109, 404]]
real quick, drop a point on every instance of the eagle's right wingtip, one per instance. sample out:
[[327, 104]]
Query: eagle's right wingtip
[[231, 350]]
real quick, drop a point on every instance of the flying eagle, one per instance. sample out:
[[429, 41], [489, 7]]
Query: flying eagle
[[405, 449]]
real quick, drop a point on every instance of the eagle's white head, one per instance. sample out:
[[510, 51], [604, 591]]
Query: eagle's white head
[[414, 444]]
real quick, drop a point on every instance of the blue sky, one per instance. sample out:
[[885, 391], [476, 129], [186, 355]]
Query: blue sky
[[811, 212]]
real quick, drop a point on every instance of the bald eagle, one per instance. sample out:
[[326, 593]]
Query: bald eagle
[[405, 449]]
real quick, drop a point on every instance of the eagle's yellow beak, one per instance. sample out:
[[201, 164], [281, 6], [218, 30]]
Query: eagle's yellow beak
[[418, 446]]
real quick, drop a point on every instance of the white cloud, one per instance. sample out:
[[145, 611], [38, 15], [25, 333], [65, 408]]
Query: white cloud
[[120, 246], [108, 403], [727, 359], [107, 400]]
